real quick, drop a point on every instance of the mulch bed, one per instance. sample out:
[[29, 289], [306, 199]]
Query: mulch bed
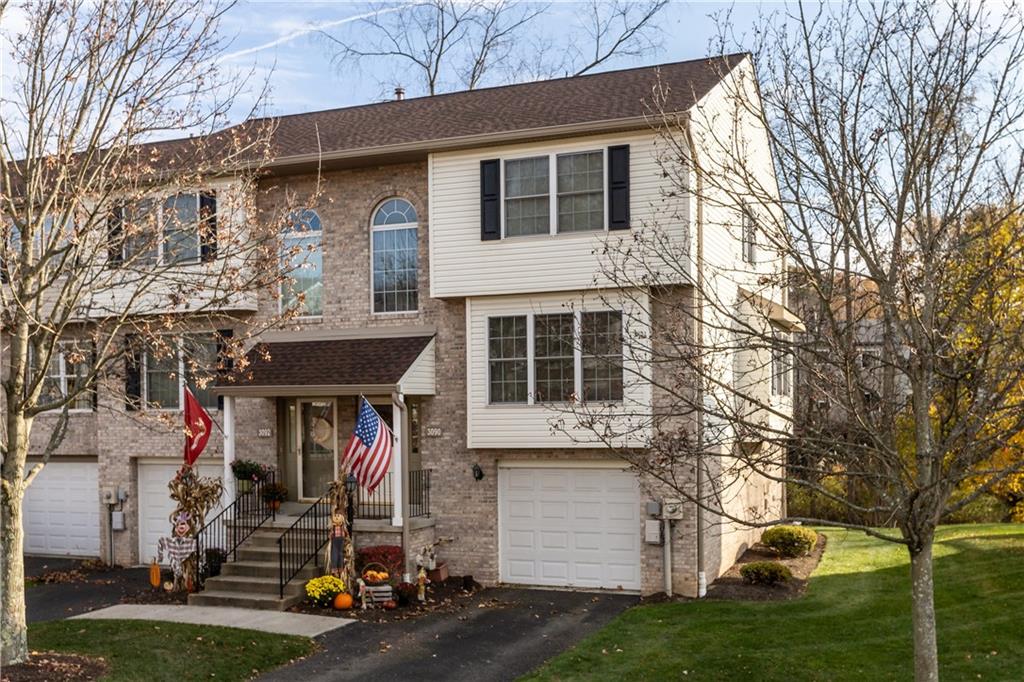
[[149, 595], [730, 585], [446, 597], [47, 666], [81, 574]]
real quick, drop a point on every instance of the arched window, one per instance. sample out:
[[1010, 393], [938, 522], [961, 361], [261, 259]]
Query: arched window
[[302, 260], [395, 257]]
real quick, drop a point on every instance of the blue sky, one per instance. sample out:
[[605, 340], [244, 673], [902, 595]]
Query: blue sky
[[276, 39]]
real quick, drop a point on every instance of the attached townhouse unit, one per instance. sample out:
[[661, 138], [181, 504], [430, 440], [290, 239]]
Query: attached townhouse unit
[[451, 260]]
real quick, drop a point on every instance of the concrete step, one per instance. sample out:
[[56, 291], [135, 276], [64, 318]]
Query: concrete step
[[269, 537], [267, 602], [253, 585], [268, 553], [266, 569]]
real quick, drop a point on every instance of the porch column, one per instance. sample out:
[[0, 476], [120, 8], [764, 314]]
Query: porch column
[[229, 449], [398, 460]]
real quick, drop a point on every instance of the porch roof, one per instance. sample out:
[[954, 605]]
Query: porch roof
[[342, 366]]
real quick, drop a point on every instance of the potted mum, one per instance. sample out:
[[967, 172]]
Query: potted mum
[[247, 471], [274, 494]]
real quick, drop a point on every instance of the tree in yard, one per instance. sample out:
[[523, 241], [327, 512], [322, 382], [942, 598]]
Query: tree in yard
[[884, 213], [113, 241], [447, 45]]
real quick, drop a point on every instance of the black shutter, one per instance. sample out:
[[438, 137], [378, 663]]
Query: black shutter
[[208, 226], [115, 236], [490, 199], [94, 389], [618, 187], [225, 361], [132, 373]]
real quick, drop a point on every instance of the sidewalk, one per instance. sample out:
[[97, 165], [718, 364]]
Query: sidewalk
[[278, 622]]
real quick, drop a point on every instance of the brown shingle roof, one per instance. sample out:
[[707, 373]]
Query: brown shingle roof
[[608, 96], [337, 362]]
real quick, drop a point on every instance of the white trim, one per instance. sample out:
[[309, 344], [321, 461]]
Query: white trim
[[562, 464], [469, 370]]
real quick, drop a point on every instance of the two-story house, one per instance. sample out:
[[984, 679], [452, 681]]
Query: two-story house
[[452, 263]]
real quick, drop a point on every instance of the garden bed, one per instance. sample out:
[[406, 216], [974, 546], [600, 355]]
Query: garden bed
[[447, 596], [730, 585], [50, 666]]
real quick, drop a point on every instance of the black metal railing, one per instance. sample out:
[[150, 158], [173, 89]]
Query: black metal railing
[[419, 493], [380, 503], [302, 541], [217, 542]]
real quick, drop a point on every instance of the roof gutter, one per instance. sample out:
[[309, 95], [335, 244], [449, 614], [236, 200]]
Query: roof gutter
[[296, 390]]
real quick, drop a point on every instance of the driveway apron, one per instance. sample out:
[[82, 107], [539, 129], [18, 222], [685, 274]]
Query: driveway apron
[[502, 634]]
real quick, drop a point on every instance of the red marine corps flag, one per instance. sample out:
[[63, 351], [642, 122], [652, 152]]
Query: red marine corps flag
[[197, 428]]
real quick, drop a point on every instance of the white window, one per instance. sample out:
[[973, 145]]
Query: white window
[[577, 185], [581, 192], [187, 361], [395, 257], [560, 357], [166, 231], [302, 258], [66, 373], [749, 237], [782, 370]]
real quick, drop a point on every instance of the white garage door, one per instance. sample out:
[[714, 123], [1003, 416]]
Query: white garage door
[[569, 527], [155, 504], [62, 510]]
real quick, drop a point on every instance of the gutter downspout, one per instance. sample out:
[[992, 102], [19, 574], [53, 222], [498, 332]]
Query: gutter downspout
[[702, 583]]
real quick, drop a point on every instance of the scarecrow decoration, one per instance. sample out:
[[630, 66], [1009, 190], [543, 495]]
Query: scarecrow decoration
[[342, 554], [195, 497]]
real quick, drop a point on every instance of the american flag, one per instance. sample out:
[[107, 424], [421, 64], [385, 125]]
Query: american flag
[[368, 453]]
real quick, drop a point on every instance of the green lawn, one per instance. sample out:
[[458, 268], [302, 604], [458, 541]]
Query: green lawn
[[852, 624], [150, 650]]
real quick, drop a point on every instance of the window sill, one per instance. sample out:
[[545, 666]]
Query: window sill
[[548, 235], [396, 313]]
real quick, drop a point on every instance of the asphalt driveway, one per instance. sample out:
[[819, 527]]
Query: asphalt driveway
[[503, 633], [59, 600]]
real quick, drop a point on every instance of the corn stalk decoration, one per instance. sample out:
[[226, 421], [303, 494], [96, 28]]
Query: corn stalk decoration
[[195, 497], [338, 496]]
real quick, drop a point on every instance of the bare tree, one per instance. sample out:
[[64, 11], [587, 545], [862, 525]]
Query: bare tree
[[464, 45], [869, 160], [113, 242]]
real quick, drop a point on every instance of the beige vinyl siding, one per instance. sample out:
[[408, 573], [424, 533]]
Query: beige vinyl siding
[[463, 265], [419, 378], [510, 426]]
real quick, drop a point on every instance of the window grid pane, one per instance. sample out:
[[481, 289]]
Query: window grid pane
[[554, 363], [181, 228], [395, 270], [527, 201], [507, 345], [581, 192], [601, 343], [200, 358], [162, 379]]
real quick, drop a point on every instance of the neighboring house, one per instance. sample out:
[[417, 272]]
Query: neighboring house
[[452, 233]]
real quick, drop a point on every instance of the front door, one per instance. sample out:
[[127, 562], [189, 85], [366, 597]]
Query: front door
[[317, 447]]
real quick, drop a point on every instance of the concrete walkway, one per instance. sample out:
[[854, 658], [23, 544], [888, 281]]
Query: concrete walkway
[[250, 619]]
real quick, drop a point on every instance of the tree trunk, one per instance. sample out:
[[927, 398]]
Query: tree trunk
[[926, 652], [13, 642]]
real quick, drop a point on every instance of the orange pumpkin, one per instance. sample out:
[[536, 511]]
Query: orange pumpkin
[[154, 574], [342, 601], [390, 604]]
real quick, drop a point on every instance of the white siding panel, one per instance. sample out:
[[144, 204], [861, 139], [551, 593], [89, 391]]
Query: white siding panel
[[537, 426], [463, 265], [419, 378]]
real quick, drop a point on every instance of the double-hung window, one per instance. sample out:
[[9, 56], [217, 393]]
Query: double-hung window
[[782, 370], [571, 199], [187, 361], [163, 231], [749, 236], [67, 373], [302, 261], [561, 357], [508, 360]]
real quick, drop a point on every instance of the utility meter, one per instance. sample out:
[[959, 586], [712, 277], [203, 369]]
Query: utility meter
[[672, 509]]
